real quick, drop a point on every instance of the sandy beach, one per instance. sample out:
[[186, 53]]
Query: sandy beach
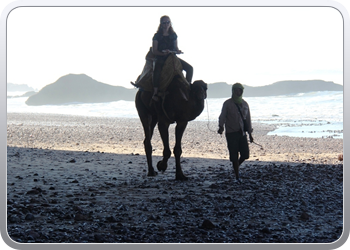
[[125, 136], [83, 179]]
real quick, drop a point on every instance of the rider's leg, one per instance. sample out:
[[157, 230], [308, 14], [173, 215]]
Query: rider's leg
[[189, 70], [157, 69]]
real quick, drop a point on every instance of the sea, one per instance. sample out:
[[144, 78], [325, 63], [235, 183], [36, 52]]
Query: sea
[[310, 115]]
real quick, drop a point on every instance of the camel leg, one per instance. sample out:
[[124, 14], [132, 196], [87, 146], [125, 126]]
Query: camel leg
[[163, 128], [179, 131], [148, 123]]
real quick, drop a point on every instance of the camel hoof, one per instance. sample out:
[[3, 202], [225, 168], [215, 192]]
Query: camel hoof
[[162, 166], [181, 178], [152, 173]]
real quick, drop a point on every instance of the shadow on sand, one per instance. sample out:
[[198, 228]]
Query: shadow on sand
[[67, 196]]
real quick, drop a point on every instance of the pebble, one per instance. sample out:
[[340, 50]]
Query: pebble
[[304, 216], [29, 217], [207, 224]]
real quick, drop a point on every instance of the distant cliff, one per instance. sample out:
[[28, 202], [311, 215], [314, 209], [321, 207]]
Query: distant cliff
[[221, 89], [26, 94], [79, 88], [83, 89], [11, 87]]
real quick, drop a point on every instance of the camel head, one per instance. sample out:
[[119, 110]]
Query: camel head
[[199, 90]]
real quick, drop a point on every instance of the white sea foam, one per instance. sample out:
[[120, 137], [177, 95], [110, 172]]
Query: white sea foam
[[316, 114]]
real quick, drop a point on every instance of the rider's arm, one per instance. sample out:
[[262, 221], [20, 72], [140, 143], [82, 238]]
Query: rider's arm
[[176, 47], [156, 51]]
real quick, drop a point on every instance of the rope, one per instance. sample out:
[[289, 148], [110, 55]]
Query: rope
[[208, 117], [258, 145]]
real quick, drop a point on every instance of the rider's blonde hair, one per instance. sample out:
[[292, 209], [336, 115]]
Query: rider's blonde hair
[[171, 30]]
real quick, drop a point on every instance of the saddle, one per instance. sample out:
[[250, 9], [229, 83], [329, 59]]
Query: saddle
[[171, 68]]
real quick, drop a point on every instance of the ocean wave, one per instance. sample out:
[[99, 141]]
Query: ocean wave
[[324, 107]]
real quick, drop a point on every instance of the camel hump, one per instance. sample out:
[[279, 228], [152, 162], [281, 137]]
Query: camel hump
[[172, 67]]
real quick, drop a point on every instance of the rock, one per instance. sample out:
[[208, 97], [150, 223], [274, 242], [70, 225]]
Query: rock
[[79, 217], [207, 224], [77, 208], [34, 191], [99, 238], [14, 219], [29, 217], [33, 235], [304, 216], [266, 230], [111, 219], [67, 217], [340, 157]]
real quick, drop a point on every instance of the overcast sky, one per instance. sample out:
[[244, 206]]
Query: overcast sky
[[252, 45]]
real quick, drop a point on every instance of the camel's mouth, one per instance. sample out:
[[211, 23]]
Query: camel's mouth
[[202, 95], [200, 89]]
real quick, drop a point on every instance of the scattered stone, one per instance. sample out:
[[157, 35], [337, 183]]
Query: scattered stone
[[304, 216], [266, 230], [33, 235], [340, 157], [207, 224], [214, 186], [29, 217], [79, 217], [35, 191], [14, 219], [111, 219], [99, 238]]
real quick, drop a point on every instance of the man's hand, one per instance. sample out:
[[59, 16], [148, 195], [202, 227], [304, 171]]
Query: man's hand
[[166, 51], [251, 138], [221, 129]]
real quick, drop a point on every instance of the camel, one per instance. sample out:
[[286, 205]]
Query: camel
[[169, 109]]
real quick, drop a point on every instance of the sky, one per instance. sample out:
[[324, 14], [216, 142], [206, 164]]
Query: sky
[[253, 45]]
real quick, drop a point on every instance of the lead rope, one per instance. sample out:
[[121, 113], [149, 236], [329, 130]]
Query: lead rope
[[208, 117]]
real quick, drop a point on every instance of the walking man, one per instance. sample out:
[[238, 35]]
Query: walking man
[[235, 115]]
